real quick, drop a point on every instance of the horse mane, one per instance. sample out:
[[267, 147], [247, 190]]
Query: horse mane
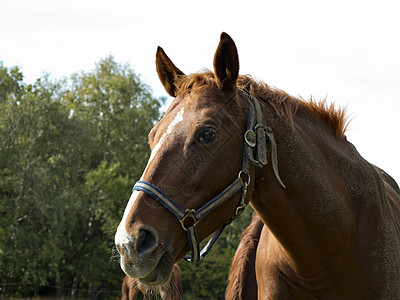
[[242, 272], [283, 103]]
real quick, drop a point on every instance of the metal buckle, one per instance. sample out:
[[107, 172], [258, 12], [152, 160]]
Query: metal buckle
[[189, 214], [250, 138]]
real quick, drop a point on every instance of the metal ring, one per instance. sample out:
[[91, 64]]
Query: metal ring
[[248, 177], [189, 214], [250, 138]]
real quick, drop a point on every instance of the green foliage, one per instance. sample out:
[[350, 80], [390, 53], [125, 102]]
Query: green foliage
[[37, 168], [70, 151], [69, 154]]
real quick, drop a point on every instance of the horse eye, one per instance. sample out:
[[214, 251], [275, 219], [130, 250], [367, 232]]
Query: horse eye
[[205, 135]]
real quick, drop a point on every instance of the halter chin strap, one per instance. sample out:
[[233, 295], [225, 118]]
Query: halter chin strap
[[259, 142]]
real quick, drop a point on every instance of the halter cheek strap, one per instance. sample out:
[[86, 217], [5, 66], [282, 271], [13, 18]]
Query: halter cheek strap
[[255, 152]]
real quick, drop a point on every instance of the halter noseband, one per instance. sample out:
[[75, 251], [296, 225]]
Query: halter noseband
[[256, 135]]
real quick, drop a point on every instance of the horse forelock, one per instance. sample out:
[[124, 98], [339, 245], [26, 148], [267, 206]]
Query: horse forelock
[[194, 82], [335, 119]]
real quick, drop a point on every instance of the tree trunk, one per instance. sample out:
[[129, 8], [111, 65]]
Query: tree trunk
[[74, 290]]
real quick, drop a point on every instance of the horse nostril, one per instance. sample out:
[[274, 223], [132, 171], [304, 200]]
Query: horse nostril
[[146, 241]]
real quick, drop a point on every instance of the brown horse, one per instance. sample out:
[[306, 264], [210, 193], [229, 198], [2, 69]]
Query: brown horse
[[242, 282], [172, 290], [332, 220]]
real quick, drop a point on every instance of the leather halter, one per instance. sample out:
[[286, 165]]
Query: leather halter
[[257, 137]]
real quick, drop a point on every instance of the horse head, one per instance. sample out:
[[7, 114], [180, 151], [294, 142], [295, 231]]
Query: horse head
[[196, 153]]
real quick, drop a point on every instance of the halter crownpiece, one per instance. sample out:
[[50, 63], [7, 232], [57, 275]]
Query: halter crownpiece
[[262, 136], [256, 137]]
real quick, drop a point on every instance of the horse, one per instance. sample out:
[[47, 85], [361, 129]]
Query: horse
[[332, 219], [242, 282], [172, 290]]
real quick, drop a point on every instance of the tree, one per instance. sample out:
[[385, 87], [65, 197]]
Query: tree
[[70, 151], [119, 111], [38, 166]]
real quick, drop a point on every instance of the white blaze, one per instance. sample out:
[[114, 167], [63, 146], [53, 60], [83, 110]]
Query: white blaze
[[122, 236]]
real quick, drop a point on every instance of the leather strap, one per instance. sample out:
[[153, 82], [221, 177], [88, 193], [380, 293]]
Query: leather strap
[[258, 137], [195, 215]]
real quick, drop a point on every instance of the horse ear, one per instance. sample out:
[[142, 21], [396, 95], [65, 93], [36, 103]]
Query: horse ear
[[226, 63], [167, 72]]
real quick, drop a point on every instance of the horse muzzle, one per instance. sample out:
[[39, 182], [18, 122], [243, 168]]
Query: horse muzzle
[[143, 257]]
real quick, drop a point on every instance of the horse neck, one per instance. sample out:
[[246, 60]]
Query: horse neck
[[331, 192], [307, 154]]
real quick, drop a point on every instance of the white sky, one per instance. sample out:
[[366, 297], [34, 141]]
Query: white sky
[[346, 50]]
